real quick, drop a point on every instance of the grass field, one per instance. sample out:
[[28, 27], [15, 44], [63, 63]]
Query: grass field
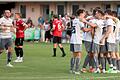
[[39, 65]]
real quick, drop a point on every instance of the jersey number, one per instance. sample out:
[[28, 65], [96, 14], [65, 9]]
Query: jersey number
[[59, 27], [73, 29]]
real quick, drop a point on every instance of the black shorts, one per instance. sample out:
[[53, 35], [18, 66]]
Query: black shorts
[[47, 35], [56, 39], [19, 41]]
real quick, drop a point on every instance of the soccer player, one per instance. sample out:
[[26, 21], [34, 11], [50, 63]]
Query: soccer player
[[110, 35], [117, 28], [98, 25], [88, 41], [76, 41], [6, 27], [20, 27], [57, 35]]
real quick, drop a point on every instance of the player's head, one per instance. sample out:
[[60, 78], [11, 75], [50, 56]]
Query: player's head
[[108, 12], [46, 21], [17, 15], [99, 14], [7, 13], [81, 13], [95, 10], [114, 13]]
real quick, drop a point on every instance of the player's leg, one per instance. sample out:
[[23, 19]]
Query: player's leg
[[87, 58], [77, 62], [72, 60], [21, 49], [103, 50], [102, 59], [114, 60], [1, 46], [77, 54], [54, 46], [96, 52], [9, 54], [117, 55], [61, 47], [111, 50], [17, 40]]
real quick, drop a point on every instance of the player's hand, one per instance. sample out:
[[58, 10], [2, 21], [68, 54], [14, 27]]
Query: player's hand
[[102, 41], [12, 29], [4, 28], [83, 20], [51, 32]]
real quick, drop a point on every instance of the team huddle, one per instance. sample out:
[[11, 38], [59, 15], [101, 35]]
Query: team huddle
[[101, 40]]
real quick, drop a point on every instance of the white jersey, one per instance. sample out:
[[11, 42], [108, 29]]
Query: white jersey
[[77, 33], [117, 28], [111, 37], [88, 35], [7, 22], [98, 31]]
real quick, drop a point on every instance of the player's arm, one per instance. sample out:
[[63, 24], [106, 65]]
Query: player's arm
[[86, 29], [2, 26], [89, 23], [62, 27], [109, 30], [24, 24], [53, 28], [113, 18], [12, 29]]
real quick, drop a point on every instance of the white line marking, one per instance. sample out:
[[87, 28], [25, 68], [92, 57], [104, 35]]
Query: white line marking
[[64, 77]]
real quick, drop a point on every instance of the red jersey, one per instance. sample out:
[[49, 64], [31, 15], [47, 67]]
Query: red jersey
[[57, 24], [20, 29]]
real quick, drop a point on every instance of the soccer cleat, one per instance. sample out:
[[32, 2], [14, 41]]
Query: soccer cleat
[[118, 71], [17, 60], [83, 70], [6, 51], [9, 65], [72, 71], [20, 60], [103, 71], [54, 56], [97, 71], [114, 71], [77, 73], [63, 55]]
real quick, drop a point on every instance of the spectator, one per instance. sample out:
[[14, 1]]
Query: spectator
[[42, 31], [40, 20], [47, 30], [29, 22]]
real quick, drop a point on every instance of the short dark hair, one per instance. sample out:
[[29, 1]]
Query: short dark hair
[[79, 11], [109, 12], [101, 12], [114, 13], [95, 10]]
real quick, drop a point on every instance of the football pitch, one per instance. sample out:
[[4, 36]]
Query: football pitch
[[39, 65]]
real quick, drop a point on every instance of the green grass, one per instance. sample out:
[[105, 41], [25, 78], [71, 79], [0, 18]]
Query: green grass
[[39, 65]]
